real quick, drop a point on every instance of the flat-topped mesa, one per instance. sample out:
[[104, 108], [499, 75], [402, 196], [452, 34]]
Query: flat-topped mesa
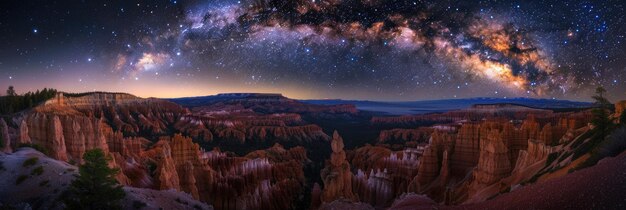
[[92, 99], [253, 95], [499, 106], [259, 103]]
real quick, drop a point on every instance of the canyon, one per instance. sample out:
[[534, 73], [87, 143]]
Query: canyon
[[266, 151]]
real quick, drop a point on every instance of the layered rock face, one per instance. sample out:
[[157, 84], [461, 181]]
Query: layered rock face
[[536, 152], [620, 107], [23, 137], [428, 168], [273, 179], [67, 136], [238, 126], [257, 181], [458, 166], [337, 176], [382, 174], [5, 140], [375, 188], [68, 126], [466, 148], [493, 163]]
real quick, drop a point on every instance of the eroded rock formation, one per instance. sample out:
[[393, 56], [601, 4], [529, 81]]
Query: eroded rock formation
[[337, 176], [5, 140]]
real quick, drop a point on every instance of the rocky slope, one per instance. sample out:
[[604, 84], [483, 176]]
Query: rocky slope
[[25, 187], [584, 189]]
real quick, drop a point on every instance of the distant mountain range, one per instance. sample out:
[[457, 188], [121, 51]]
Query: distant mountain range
[[395, 108], [430, 106]]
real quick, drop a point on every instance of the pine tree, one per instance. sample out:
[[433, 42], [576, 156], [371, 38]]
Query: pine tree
[[95, 187], [11, 91], [601, 119]]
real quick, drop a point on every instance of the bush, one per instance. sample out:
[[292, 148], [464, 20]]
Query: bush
[[20, 179], [37, 171], [30, 162], [1, 141], [139, 204]]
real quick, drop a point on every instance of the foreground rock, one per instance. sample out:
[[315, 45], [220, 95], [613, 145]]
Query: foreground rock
[[584, 189], [23, 187]]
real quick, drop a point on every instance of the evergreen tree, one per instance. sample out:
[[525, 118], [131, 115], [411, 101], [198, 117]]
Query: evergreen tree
[[11, 91], [95, 187], [601, 119]]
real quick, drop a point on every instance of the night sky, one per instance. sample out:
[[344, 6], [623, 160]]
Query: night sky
[[349, 49]]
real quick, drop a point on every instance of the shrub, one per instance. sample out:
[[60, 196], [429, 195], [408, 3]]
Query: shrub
[[1, 141], [37, 171], [20, 179], [139, 204], [30, 162]]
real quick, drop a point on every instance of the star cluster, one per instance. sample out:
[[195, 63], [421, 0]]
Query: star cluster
[[353, 49]]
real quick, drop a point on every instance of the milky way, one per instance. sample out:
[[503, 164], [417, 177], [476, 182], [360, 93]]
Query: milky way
[[368, 49]]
